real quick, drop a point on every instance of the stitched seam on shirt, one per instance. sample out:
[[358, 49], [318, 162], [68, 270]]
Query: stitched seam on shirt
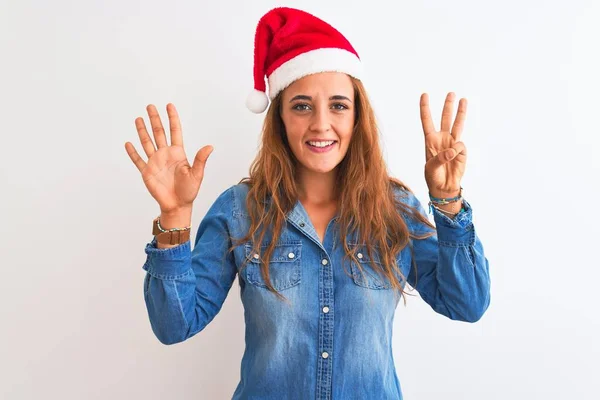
[[454, 244], [167, 277], [470, 242], [180, 306], [233, 200], [147, 284], [469, 255]]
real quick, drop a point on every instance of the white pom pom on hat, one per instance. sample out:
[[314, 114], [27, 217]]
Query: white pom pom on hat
[[257, 101], [290, 44]]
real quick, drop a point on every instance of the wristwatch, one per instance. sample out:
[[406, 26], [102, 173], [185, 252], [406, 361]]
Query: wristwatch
[[169, 237]]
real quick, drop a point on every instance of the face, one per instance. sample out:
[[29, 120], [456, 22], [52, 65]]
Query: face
[[318, 113]]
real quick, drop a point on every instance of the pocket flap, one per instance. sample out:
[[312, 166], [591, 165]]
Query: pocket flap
[[284, 265]]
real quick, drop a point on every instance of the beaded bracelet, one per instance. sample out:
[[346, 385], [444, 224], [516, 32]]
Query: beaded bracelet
[[446, 200], [442, 201], [172, 229]]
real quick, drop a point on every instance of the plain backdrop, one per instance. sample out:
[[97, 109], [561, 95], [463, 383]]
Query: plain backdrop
[[76, 215]]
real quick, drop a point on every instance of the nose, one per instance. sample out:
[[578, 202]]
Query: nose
[[320, 120]]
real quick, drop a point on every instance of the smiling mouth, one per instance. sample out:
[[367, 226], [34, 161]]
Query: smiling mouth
[[322, 149], [327, 143]]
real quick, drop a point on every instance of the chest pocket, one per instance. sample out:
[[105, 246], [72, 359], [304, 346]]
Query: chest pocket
[[284, 265], [368, 277]]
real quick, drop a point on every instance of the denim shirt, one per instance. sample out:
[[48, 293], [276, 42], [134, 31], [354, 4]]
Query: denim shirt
[[333, 340]]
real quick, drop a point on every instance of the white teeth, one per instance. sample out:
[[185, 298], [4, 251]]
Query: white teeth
[[321, 144]]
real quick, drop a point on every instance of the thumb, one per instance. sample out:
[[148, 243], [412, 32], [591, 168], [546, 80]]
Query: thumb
[[200, 161]]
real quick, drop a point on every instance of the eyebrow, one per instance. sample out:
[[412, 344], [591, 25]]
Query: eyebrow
[[305, 97]]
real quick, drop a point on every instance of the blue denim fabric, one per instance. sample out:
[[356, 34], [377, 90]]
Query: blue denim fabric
[[334, 340]]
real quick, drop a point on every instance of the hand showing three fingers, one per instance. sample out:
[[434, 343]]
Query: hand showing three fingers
[[170, 179], [445, 154]]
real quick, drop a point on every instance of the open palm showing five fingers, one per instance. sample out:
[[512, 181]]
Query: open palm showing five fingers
[[168, 176], [445, 154]]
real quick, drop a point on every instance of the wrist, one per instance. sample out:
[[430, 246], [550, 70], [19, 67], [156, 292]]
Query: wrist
[[448, 202], [441, 194], [176, 219], [450, 208]]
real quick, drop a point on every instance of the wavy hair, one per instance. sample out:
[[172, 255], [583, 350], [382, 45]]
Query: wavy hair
[[367, 203]]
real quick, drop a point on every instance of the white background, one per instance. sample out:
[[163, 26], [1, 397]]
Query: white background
[[76, 215]]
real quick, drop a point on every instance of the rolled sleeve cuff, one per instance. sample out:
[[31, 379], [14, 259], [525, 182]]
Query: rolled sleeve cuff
[[168, 263], [457, 230]]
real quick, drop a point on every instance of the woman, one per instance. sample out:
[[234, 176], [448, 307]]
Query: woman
[[321, 238]]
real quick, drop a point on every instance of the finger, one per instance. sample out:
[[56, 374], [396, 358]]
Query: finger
[[441, 158], [157, 127], [426, 120], [135, 157], [200, 161], [435, 162], [459, 122], [460, 149], [147, 143], [174, 126], [447, 113]]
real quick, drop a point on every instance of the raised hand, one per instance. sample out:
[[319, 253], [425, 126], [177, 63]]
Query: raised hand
[[167, 174], [445, 154]]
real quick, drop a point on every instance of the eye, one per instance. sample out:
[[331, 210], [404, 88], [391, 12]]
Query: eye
[[340, 104], [337, 106], [299, 104]]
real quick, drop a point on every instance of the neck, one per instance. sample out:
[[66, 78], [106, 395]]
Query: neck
[[316, 188]]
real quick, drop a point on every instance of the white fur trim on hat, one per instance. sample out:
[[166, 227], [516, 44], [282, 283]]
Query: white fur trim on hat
[[311, 62]]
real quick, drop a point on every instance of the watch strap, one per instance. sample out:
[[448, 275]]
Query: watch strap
[[170, 237], [173, 237]]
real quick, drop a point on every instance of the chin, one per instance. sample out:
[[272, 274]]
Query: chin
[[321, 169]]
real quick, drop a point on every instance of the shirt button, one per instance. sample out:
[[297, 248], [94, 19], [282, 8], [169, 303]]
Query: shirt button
[[325, 309], [291, 255], [325, 354], [324, 262], [302, 224], [359, 255], [256, 256]]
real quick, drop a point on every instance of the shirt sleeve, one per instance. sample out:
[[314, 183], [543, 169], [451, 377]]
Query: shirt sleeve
[[452, 272], [184, 289]]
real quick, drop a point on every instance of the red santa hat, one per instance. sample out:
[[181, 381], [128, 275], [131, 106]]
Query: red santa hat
[[290, 44]]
